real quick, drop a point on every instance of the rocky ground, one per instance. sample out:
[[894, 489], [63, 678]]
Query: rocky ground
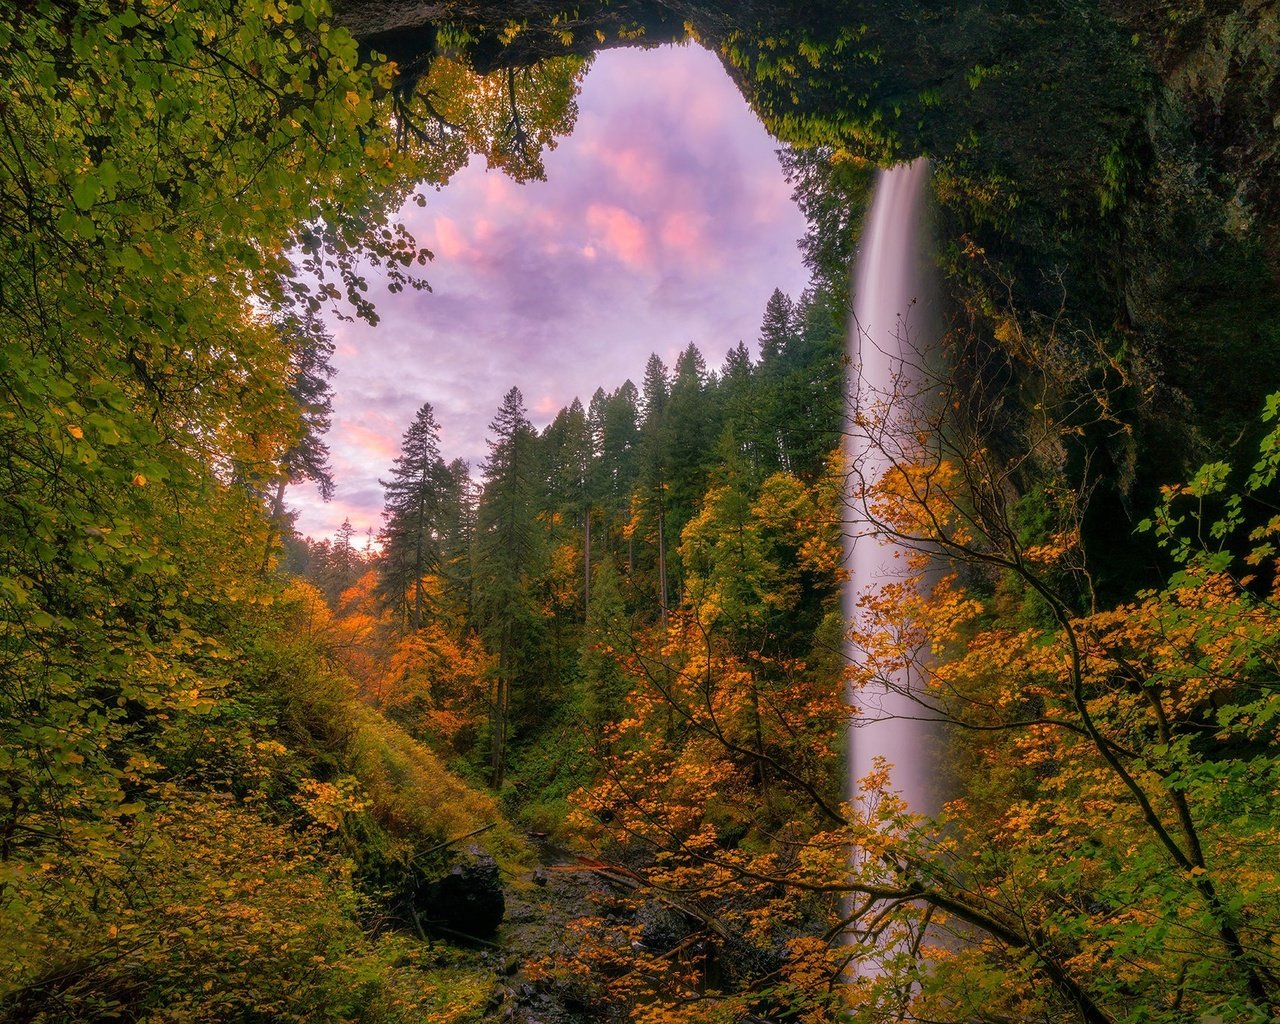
[[540, 903]]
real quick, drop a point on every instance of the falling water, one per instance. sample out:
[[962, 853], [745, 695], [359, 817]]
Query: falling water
[[892, 338]]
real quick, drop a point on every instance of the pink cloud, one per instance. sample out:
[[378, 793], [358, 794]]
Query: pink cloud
[[620, 233], [374, 442], [638, 171], [547, 218], [503, 193], [449, 241], [326, 519], [684, 233]]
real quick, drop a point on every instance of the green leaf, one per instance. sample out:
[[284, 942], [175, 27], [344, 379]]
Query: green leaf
[[85, 191]]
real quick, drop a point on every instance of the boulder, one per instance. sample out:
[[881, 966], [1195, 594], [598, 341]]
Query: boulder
[[468, 900]]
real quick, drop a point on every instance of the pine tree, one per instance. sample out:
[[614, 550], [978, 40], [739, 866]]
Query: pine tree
[[778, 328], [310, 348], [619, 440], [777, 338], [411, 512], [506, 540], [655, 389], [690, 433], [655, 467], [813, 388], [738, 396], [604, 680], [344, 563], [456, 525]]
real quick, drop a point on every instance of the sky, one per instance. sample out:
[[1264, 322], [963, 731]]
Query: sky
[[664, 219]]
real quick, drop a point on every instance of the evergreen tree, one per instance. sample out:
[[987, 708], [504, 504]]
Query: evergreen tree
[[597, 412], [411, 511], [310, 348], [655, 389], [654, 464], [344, 563], [833, 192], [456, 526], [690, 432], [506, 542], [777, 329], [619, 446], [567, 456], [777, 338], [604, 680], [739, 414], [812, 390], [568, 450]]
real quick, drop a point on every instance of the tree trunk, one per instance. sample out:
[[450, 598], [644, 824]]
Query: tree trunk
[[274, 529], [662, 559], [501, 703]]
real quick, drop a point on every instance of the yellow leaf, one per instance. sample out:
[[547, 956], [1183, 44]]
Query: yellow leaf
[[75, 431], [139, 480]]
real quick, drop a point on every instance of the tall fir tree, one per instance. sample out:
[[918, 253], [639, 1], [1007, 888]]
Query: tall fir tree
[[506, 542], [690, 433], [777, 338], [619, 440], [310, 348], [654, 476], [738, 408], [457, 527], [411, 512]]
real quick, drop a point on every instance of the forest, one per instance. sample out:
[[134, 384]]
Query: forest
[[567, 739]]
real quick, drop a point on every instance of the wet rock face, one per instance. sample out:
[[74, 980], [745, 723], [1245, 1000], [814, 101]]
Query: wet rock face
[[662, 927], [469, 899]]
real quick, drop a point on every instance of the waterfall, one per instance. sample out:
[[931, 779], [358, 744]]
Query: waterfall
[[892, 335]]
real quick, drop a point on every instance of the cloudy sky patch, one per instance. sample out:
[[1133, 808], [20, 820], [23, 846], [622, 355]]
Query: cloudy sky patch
[[664, 219]]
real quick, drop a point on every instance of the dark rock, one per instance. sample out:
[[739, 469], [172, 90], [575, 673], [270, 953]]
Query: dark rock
[[662, 927], [468, 900]]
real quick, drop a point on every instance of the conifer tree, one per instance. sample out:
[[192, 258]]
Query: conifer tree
[[457, 526], [411, 512], [310, 348], [506, 540], [344, 562], [690, 432], [777, 337], [655, 389], [740, 420], [619, 439], [606, 683], [778, 328], [655, 467], [812, 391], [568, 451]]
